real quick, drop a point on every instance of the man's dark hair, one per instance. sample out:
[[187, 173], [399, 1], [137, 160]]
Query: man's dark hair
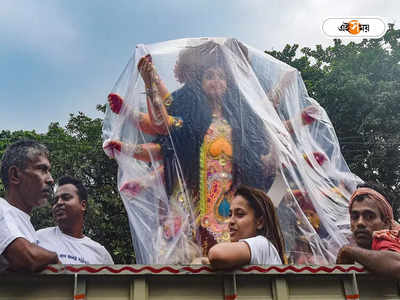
[[19, 154], [82, 191], [383, 191]]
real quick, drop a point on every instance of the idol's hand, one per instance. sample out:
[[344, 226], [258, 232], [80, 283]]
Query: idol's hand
[[133, 187], [319, 157], [147, 70], [309, 114], [115, 102], [110, 146]]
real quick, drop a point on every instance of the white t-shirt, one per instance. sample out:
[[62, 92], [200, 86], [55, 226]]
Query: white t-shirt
[[73, 251], [14, 223], [262, 251]]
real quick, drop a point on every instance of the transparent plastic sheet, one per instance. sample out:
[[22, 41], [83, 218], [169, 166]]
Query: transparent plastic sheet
[[232, 115]]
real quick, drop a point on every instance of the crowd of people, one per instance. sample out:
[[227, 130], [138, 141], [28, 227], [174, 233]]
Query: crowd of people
[[236, 166]]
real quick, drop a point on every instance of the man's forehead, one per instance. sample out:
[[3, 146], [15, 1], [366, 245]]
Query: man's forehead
[[67, 189], [364, 204], [40, 160]]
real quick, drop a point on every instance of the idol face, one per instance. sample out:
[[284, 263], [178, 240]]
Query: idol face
[[214, 83]]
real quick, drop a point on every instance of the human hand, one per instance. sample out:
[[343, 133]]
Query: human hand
[[344, 256], [196, 261], [115, 101], [147, 70], [110, 146], [205, 260]]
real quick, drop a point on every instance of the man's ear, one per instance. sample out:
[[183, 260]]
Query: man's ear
[[84, 204], [260, 223], [14, 175]]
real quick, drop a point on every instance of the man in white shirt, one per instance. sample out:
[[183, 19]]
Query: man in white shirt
[[67, 239], [25, 173]]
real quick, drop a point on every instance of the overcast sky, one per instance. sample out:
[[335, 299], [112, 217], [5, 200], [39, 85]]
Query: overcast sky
[[63, 56]]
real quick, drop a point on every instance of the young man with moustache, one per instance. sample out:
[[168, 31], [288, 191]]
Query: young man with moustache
[[376, 233], [25, 173], [67, 239]]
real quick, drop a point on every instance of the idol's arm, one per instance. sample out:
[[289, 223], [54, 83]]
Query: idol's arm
[[157, 97], [136, 186], [141, 120], [144, 152]]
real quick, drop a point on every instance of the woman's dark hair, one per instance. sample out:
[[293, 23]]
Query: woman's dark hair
[[264, 208], [249, 136]]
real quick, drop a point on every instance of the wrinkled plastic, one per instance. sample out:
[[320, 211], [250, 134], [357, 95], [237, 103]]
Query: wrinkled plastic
[[265, 131]]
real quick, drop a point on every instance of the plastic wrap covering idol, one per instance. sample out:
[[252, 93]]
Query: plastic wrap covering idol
[[191, 119]]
